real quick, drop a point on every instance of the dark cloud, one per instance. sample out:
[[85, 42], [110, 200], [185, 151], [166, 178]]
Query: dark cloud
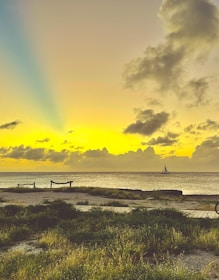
[[191, 24], [70, 132], [160, 64], [45, 140], [191, 32], [211, 142], [10, 125], [91, 160], [207, 125], [204, 158], [36, 154], [66, 142], [197, 90], [206, 155], [96, 153], [3, 150], [168, 140], [55, 156], [153, 102], [76, 148], [191, 129], [147, 122], [102, 160], [22, 152]]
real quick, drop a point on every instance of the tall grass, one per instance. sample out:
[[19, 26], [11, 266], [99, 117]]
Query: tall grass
[[100, 245], [83, 263]]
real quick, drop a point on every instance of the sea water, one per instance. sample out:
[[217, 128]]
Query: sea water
[[189, 183]]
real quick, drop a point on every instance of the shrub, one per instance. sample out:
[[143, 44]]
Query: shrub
[[115, 203], [19, 233], [12, 210], [85, 202], [42, 221], [62, 209]]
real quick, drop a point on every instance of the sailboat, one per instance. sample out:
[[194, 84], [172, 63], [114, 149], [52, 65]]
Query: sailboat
[[165, 171]]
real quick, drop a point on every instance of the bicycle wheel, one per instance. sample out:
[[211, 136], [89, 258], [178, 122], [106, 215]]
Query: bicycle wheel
[[217, 208]]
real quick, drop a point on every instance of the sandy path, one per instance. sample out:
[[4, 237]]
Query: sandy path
[[74, 198]]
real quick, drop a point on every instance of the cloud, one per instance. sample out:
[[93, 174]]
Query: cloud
[[204, 158], [206, 155], [70, 132], [90, 160], [191, 129], [97, 153], [211, 142], [197, 90], [10, 125], [191, 33], [168, 140], [102, 160], [147, 122], [22, 152], [3, 150], [153, 102], [55, 156], [160, 64], [45, 140], [191, 24], [208, 125], [35, 154], [66, 142]]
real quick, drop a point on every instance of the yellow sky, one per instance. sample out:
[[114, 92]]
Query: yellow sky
[[109, 85]]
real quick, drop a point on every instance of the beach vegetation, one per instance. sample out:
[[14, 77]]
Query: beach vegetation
[[108, 192], [2, 200], [99, 244], [23, 189], [84, 202], [115, 203], [96, 191]]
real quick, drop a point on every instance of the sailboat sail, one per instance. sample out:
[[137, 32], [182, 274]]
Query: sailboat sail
[[165, 171]]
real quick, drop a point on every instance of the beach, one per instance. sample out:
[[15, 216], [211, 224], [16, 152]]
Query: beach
[[151, 200]]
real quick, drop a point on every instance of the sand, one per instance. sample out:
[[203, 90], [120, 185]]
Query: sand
[[184, 202]]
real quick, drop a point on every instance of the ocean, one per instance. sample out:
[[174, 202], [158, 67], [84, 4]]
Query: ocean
[[189, 183]]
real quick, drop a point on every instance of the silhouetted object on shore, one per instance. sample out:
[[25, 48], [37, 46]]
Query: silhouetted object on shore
[[69, 182], [33, 184], [217, 208]]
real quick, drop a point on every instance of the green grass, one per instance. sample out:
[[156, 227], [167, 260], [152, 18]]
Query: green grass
[[115, 203], [23, 190], [99, 245], [2, 200], [105, 192]]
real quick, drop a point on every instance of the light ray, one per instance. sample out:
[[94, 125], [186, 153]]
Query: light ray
[[22, 59]]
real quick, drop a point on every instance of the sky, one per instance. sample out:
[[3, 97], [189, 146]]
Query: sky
[[116, 85]]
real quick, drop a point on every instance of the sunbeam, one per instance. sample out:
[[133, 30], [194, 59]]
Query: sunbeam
[[22, 59]]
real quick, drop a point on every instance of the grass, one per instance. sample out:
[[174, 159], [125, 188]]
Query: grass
[[23, 190], [105, 192], [99, 245], [115, 203], [97, 191], [2, 200], [84, 202]]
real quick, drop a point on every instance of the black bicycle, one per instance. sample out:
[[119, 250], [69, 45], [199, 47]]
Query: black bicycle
[[217, 208]]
